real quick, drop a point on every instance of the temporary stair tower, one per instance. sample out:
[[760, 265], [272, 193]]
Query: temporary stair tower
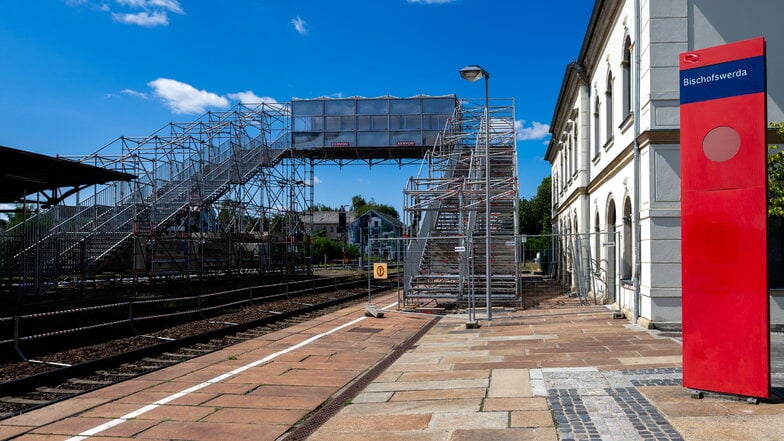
[[447, 202]]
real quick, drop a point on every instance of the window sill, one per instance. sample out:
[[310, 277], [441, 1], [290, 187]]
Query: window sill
[[596, 157], [608, 145], [627, 122]]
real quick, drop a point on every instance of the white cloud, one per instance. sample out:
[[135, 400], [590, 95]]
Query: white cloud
[[537, 130], [132, 3], [146, 13], [132, 92], [300, 25], [184, 98], [430, 2], [166, 5], [144, 19], [316, 180], [248, 97], [169, 5]]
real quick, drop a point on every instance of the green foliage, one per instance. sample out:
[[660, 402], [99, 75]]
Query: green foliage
[[357, 201], [323, 207], [360, 206], [776, 176], [534, 213], [321, 247], [20, 214], [233, 219], [381, 208]]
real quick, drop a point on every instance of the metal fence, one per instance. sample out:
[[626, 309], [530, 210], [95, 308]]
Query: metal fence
[[584, 266]]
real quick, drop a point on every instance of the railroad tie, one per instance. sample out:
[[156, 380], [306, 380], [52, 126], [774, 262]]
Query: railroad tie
[[176, 355], [197, 350], [115, 374], [157, 360], [16, 400], [55, 390], [89, 382]]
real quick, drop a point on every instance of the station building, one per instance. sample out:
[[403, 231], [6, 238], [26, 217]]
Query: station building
[[615, 152]]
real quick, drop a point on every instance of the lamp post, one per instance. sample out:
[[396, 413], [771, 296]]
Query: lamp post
[[472, 73]]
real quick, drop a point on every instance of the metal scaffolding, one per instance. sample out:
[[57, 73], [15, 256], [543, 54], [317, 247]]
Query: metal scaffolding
[[221, 193], [229, 193], [445, 206]]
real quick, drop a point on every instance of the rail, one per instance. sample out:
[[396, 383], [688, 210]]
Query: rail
[[29, 327]]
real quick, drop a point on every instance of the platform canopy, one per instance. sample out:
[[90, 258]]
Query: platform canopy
[[25, 173]]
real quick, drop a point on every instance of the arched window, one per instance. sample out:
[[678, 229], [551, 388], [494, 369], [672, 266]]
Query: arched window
[[608, 104], [574, 221], [575, 137], [563, 159], [596, 129], [612, 252], [597, 243], [626, 263], [626, 66]]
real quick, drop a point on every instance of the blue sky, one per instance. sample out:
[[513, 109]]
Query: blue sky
[[76, 74]]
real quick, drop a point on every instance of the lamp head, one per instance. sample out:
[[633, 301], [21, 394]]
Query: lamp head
[[473, 72]]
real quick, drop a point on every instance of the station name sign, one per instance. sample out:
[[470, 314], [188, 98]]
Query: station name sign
[[724, 211], [723, 80]]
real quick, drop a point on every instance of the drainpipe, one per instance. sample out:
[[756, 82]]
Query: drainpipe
[[636, 200]]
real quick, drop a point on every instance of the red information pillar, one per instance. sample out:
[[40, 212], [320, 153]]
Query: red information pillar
[[726, 341]]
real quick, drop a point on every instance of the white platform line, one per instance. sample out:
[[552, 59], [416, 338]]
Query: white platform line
[[142, 410]]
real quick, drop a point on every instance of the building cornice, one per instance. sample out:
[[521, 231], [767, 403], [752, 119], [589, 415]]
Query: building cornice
[[673, 136], [579, 191], [620, 160]]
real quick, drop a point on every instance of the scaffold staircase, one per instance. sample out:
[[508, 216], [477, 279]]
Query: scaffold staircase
[[181, 168], [446, 203]]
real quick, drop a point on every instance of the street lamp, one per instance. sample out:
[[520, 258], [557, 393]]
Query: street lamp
[[472, 73]]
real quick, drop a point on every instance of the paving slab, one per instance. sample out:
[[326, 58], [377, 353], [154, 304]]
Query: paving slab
[[229, 394], [565, 372], [509, 383]]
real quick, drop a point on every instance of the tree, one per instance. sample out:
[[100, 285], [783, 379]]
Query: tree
[[534, 216], [331, 249], [357, 201], [534, 213], [360, 206], [323, 207], [19, 215], [776, 176]]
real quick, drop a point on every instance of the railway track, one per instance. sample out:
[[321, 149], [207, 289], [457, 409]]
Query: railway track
[[45, 388]]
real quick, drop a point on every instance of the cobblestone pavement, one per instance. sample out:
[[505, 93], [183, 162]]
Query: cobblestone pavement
[[589, 404]]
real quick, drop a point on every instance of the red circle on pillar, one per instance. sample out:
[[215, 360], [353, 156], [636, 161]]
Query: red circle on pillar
[[721, 144]]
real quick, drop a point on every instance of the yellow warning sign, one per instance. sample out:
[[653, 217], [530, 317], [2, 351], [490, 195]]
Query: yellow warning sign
[[379, 270]]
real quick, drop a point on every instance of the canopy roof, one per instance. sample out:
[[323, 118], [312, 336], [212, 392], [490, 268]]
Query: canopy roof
[[25, 173]]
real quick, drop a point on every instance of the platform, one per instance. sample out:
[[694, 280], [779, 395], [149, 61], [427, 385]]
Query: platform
[[564, 372]]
